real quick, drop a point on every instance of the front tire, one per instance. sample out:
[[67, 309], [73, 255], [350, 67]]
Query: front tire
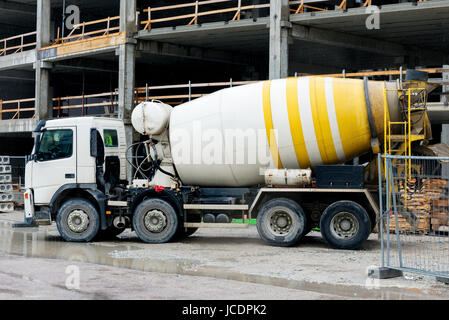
[[281, 222], [345, 225], [78, 221], [155, 221]]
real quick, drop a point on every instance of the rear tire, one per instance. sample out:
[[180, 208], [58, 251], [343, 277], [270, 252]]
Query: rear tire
[[345, 225], [78, 221], [281, 222], [155, 221]]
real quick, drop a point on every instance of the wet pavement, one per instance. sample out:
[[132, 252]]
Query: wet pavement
[[236, 255]]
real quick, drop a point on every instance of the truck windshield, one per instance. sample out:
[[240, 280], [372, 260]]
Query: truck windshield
[[55, 144]]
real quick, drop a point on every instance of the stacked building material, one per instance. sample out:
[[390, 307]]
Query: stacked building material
[[6, 195], [438, 190], [422, 199]]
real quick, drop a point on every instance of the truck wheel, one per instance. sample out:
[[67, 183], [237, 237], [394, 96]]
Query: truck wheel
[[78, 220], [281, 222], [345, 225], [155, 221]]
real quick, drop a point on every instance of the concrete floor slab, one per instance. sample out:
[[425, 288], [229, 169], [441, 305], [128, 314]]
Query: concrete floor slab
[[17, 125], [19, 60]]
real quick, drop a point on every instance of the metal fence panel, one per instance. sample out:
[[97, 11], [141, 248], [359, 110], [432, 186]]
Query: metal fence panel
[[414, 221]]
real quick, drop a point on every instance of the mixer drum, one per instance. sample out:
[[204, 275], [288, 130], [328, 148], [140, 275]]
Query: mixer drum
[[294, 123]]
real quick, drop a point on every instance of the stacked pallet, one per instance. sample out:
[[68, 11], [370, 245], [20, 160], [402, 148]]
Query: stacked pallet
[[438, 189], [422, 224], [439, 217], [418, 199], [6, 195]]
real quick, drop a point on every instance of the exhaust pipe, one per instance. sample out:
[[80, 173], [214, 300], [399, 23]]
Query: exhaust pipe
[[120, 222]]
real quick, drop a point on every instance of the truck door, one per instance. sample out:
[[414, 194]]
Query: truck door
[[55, 163]]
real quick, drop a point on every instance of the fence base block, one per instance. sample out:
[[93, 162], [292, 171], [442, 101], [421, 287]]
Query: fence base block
[[384, 273], [443, 280]]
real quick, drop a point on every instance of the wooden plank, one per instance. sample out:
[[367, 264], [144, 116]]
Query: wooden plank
[[89, 44], [422, 226]]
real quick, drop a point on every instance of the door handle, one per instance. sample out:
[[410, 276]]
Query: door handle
[[69, 175]]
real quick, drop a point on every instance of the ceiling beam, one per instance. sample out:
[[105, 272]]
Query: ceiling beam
[[191, 52], [16, 7], [345, 40], [86, 64]]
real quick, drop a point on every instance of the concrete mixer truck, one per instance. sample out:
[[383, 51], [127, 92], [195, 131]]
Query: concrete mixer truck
[[276, 151]]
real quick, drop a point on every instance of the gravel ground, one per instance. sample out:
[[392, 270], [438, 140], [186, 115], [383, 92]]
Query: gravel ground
[[236, 255]]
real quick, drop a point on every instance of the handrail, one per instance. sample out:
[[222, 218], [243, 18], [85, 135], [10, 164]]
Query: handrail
[[108, 30], [194, 15], [143, 93], [6, 48], [299, 6], [174, 96], [61, 103]]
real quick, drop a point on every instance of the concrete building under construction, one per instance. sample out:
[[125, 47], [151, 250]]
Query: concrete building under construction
[[61, 58]]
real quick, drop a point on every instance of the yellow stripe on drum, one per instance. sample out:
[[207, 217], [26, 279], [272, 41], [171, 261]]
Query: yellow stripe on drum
[[294, 120], [321, 121], [308, 129], [352, 116], [332, 116], [269, 125]]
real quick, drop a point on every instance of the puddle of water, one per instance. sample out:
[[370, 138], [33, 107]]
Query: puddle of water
[[41, 243]]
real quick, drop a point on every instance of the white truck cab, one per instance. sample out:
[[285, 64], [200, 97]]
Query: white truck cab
[[62, 161]]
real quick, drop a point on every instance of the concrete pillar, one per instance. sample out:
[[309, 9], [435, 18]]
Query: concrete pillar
[[279, 36], [127, 59], [127, 68], [43, 102]]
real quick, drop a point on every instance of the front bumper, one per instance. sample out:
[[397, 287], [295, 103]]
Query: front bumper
[[33, 218]]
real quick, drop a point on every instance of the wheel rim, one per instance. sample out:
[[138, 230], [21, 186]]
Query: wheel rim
[[78, 221], [344, 225], [279, 222], [155, 221]]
